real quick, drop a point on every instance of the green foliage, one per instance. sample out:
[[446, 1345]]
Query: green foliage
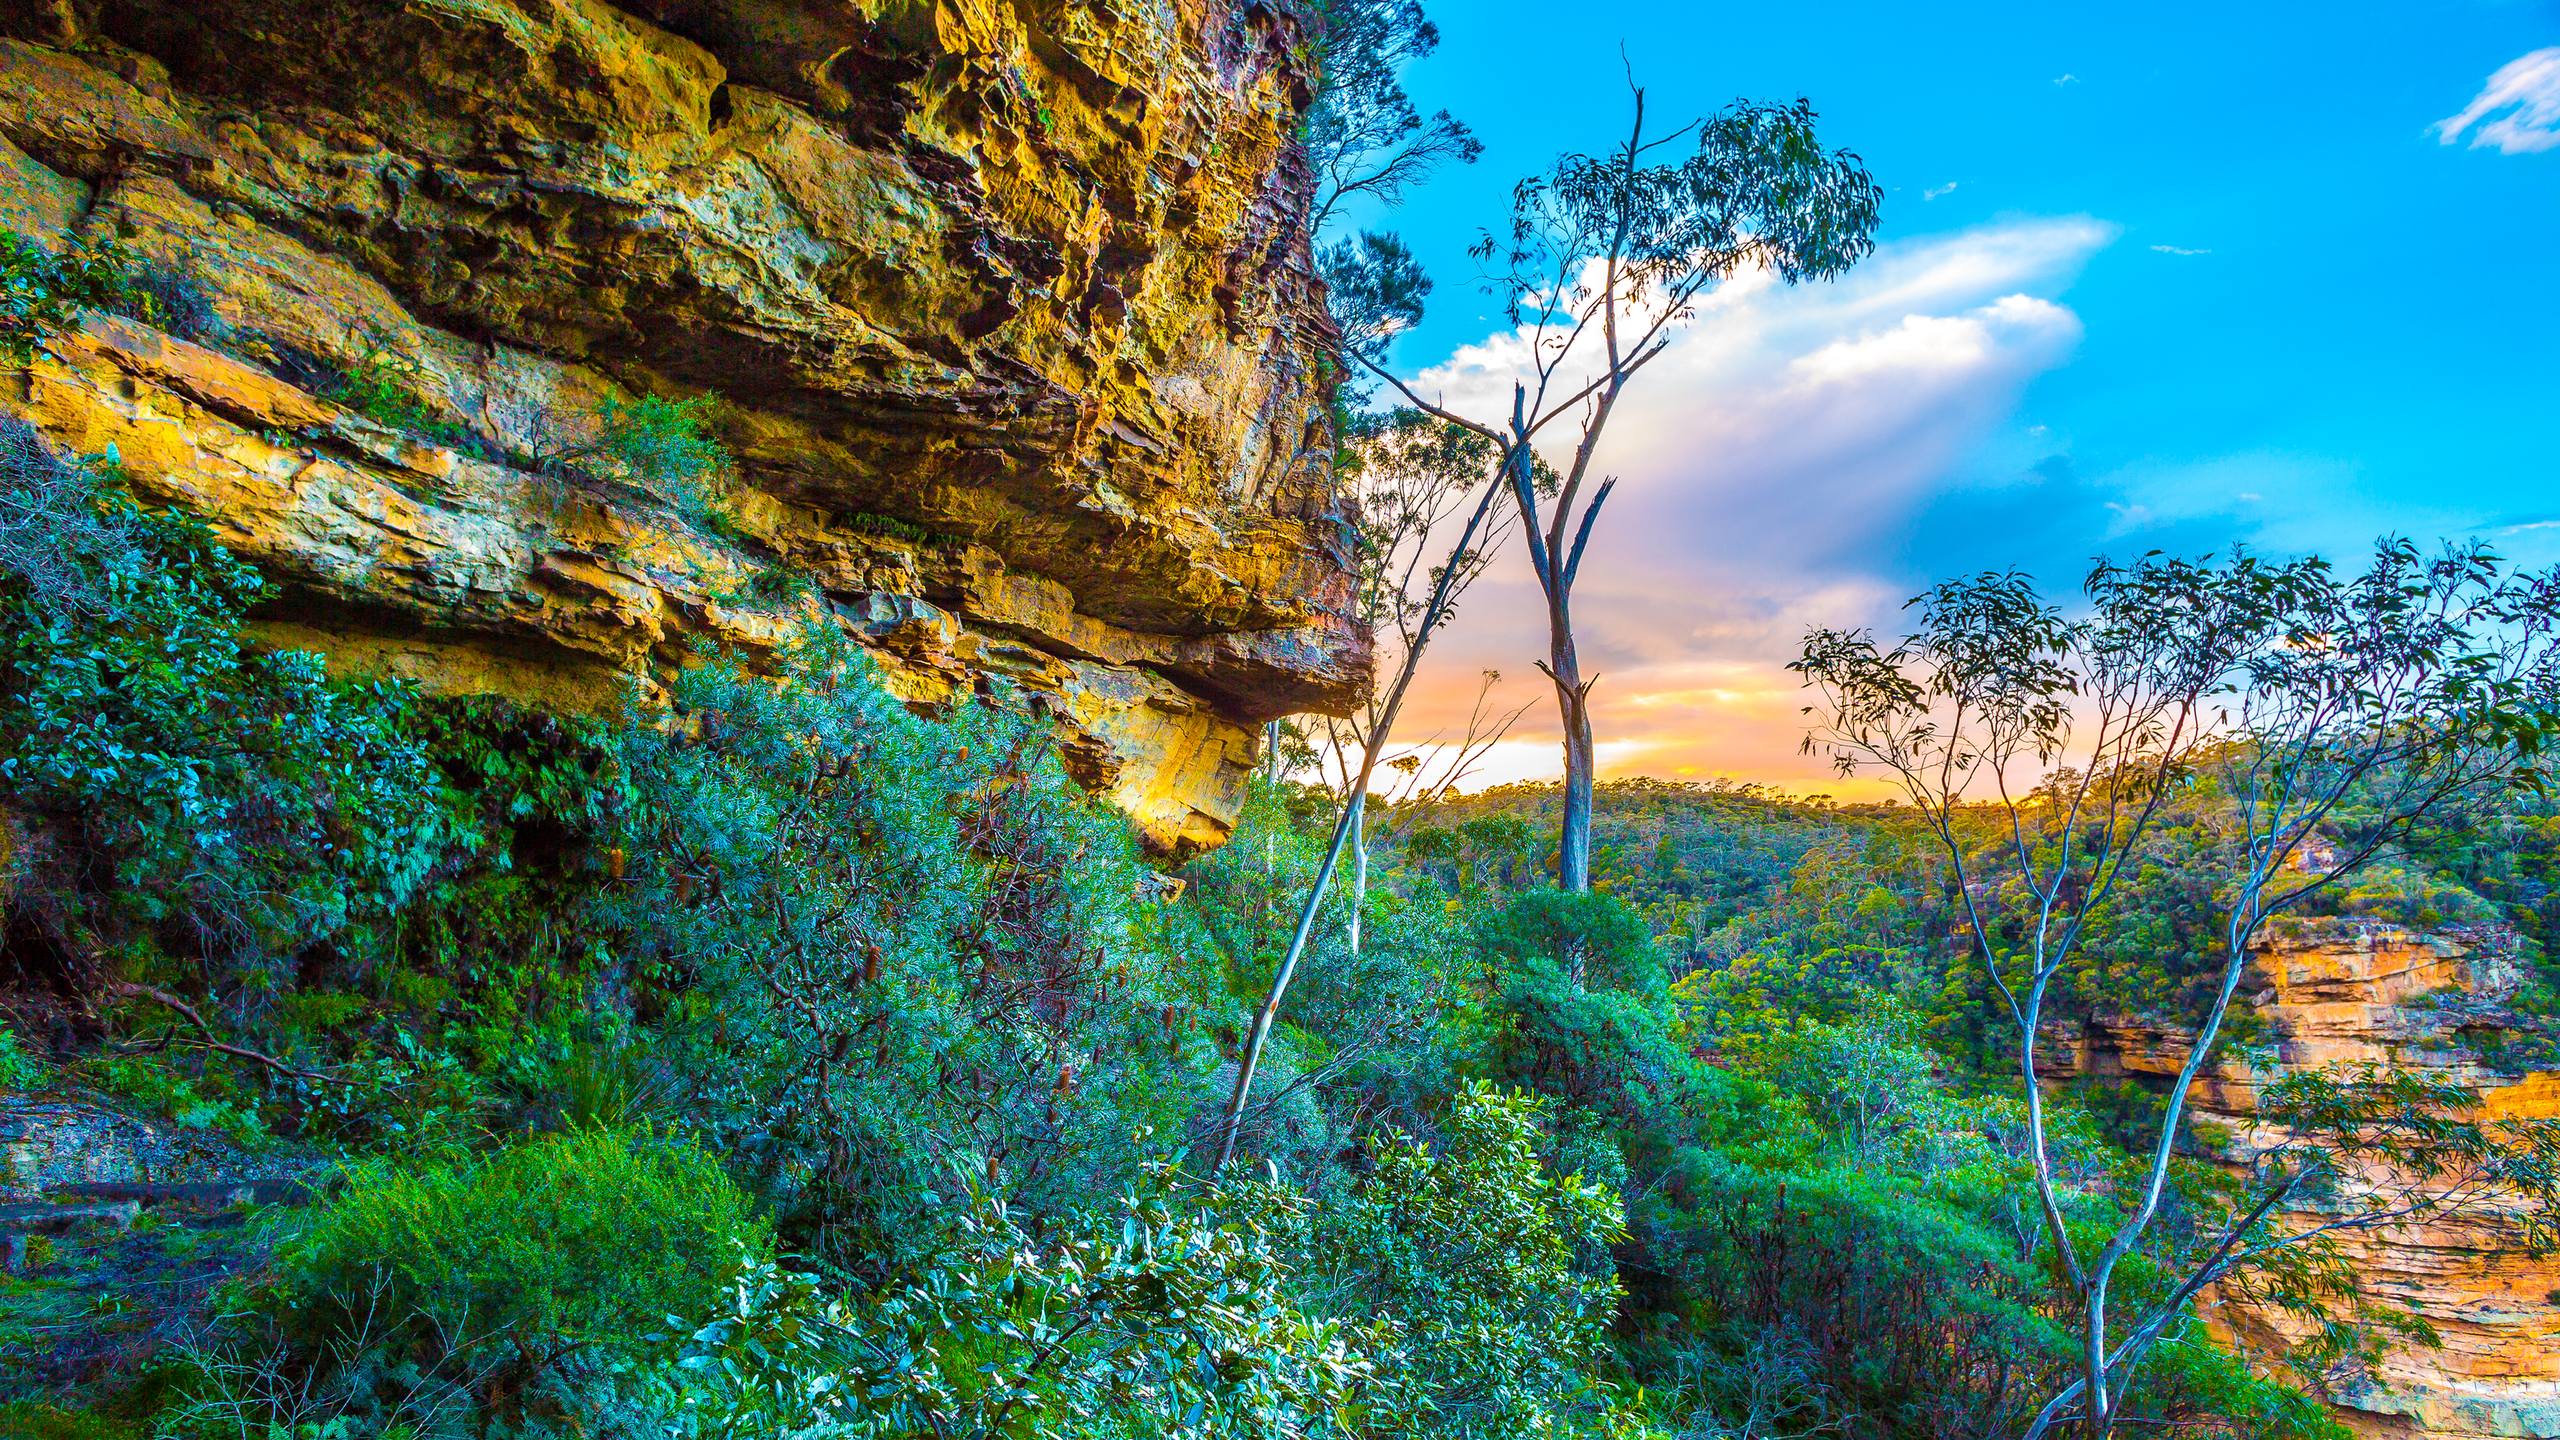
[[1598, 937], [1844, 1241], [661, 446], [226, 800], [1487, 851], [1495, 1267], [30, 1420], [1862, 1081], [489, 1273], [505, 921], [666, 447], [1759, 188], [62, 534], [889, 940], [1169, 1316], [1363, 132], [1602, 1052], [1364, 138], [864, 522], [192, 1102], [171, 297], [42, 290], [386, 383], [19, 1070], [1376, 290], [1249, 886], [398, 895], [1367, 1031], [1916, 1317]]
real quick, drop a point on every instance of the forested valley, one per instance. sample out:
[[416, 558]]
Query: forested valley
[[708, 729]]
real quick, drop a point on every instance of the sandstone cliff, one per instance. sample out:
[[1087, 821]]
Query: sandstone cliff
[[2345, 994], [1005, 307]]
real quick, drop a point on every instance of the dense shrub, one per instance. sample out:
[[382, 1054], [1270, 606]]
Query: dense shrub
[[1495, 1269], [19, 1070], [1602, 1052], [173, 298], [227, 802], [488, 1274], [1168, 1314], [1598, 938], [398, 895], [1481, 1274], [1919, 1318], [1365, 1031], [384, 382], [887, 942], [665, 447], [43, 289], [61, 538]]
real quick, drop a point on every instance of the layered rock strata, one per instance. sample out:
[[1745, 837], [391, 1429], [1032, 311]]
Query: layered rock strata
[[2338, 995], [1005, 310]]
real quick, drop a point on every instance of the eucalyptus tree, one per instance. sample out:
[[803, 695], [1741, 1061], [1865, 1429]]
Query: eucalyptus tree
[[1428, 478], [1601, 260], [2328, 717], [1364, 136], [1410, 479], [1605, 257]]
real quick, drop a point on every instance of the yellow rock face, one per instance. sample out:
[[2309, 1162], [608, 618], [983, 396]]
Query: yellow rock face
[[1005, 308], [2345, 994]]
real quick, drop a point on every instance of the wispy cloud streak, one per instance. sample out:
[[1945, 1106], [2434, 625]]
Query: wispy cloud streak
[[2517, 112]]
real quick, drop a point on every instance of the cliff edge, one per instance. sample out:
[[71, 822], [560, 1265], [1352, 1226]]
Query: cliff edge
[[1004, 309], [2341, 994]]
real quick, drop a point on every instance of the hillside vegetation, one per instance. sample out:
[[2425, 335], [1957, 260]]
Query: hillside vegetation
[[643, 668], [786, 1063]]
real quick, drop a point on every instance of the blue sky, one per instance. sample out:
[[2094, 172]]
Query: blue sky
[[2176, 275]]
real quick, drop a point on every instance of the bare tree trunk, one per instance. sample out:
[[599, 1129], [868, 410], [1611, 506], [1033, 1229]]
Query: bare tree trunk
[[1359, 878], [1443, 591], [1573, 711], [1263, 1018], [2100, 1403], [1555, 565]]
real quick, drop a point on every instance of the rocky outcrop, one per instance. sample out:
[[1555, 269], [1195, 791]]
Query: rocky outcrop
[[2345, 994], [107, 1295], [55, 1147], [1004, 307]]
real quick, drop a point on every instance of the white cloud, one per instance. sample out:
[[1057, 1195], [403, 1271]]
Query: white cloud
[[2517, 112], [1935, 192], [1768, 459], [2179, 250], [2066, 78], [1926, 345]]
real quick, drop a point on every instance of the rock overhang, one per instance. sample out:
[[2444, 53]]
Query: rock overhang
[[1007, 312]]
